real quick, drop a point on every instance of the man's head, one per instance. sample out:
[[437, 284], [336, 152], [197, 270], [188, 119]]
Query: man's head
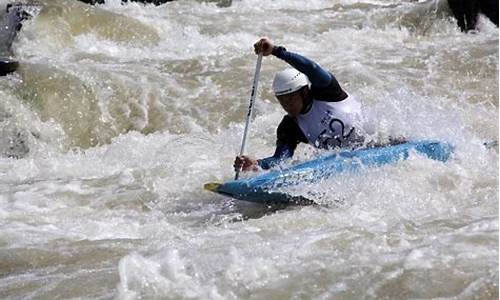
[[291, 88]]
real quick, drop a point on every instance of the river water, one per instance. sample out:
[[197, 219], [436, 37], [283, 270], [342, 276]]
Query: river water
[[120, 113]]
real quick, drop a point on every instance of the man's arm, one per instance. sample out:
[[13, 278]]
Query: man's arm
[[318, 76], [289, 136], [282, 153]]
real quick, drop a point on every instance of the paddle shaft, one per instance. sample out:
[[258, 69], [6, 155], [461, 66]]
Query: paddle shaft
[[250, 109]]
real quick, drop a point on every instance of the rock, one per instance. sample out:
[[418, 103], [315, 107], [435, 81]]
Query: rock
[[490, 9], [7, 66], [10, 24], [466, 12]]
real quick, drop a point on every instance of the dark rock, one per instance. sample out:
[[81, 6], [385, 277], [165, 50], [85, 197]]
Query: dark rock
[[490, 9], [10, 24], [466, 12], [7, 66]]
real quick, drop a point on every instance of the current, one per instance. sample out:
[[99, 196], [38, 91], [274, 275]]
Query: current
[[119, 113]]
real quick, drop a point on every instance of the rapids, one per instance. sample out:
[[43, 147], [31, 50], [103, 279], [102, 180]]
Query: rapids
[[119, 114]]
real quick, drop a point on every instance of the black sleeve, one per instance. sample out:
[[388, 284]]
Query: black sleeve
[[289, 133], [289, 136]]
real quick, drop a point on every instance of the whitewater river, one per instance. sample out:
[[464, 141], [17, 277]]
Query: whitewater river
[[120, 113]]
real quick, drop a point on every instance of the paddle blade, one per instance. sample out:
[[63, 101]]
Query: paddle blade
[[212, 186]]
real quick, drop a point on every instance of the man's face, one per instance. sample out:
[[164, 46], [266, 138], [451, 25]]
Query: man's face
[[292, 103]]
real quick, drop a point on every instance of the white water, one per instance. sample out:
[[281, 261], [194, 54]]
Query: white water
[[128, 109]]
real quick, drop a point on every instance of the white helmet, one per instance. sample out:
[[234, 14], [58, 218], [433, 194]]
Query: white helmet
[[289, 81]]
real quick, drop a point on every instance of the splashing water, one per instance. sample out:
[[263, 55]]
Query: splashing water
[[120, 113]]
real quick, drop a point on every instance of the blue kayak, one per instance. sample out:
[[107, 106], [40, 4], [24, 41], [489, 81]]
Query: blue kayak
[[263, 188]]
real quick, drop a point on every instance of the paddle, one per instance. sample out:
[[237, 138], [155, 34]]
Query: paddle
[[250, 110]]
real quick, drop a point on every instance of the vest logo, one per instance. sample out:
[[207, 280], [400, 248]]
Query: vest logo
[[334, 134]]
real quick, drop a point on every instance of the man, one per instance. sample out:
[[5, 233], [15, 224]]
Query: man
[[319, 111]]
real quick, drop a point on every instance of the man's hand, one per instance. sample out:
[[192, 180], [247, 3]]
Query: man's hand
[[245, 163], [264, 46]]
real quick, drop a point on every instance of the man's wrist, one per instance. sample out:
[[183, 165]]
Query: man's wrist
[[259, 162], [277, 50]]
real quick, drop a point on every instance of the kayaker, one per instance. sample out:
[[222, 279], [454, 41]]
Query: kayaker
[[319, 111]]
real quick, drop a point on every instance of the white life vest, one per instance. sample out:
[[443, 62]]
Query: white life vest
[[328, 125]]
